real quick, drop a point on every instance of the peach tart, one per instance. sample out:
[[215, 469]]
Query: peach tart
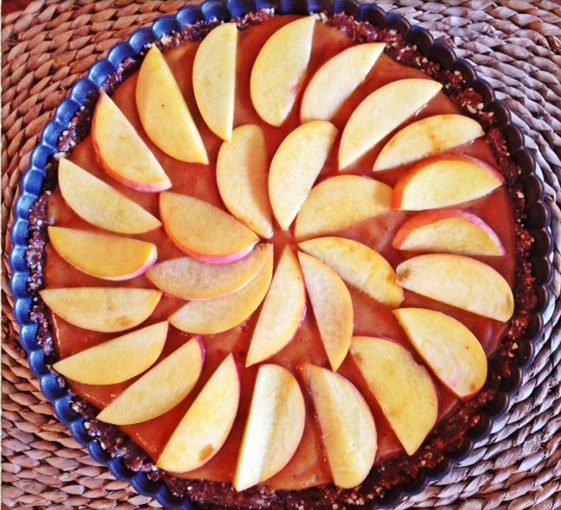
[[284, 264]]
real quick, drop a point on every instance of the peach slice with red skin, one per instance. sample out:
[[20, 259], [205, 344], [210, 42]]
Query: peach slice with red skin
[[282, 310], [104, 309], [444, 181], [402, 387], [121, 151], [192, 279], [427, 137], [204, 231], [336, 80], [116, 360], [207, 424], [332, 305], [279, 70], [460, 281], [296, 166], [160, 389], [214, 78], [339, 202], [100, 204], [395, 103], [448, 230], [274, 427], [348, 428], [358, 265], [87, 252], [163, 112], [223, 313], [448, 347], [241, 175]]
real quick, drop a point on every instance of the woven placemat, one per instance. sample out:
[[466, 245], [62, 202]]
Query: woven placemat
[[516, 45]]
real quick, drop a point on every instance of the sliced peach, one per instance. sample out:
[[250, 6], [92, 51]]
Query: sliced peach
[[116, 360], [204, 231], [100, 204], [220, 314], [282, 310], [241, 174], [279, 70], [358, 265], [448, 347], [339, 202], [332, 305], [403, 388], [191, 279], [274, 427], [87, 252], [347, 425], [105, 309], [459, 281], [336, 80], [427, 137], [205, 427], [296, 166], [448, 230], [122, 152], [444, 181], [163, 112], [395, 103], [160, 389], [214, 78]]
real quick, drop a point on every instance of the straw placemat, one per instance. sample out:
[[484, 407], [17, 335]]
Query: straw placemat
[[516, 45]]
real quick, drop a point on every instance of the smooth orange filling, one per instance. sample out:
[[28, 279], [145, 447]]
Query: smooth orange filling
[[309, 466]]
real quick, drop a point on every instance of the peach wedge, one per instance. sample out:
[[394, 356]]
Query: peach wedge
[[104, 309], [332, 305], [339, 202], [241, 175], [191, 279], [116, 360], [403, 388], [335, 81], [459, 281], [282, 310], [359, 265], [204, 231], [296, 166], [427, 137], [163, 112], [160, 389], [274, 427], [214, 78], [448, 230], [122, 152], [444, 181], [279, 70], [87, 252], [448, 347], [347, 426], [206, 425], [100, 204], [220, 314], [395, 103]]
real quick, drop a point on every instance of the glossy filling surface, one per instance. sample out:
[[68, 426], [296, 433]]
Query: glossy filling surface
[[309, 466]]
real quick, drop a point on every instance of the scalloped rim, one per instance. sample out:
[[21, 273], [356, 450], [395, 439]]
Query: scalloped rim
[[538, 221]]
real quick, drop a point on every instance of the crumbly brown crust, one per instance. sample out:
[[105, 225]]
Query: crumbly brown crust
[[450, 434]]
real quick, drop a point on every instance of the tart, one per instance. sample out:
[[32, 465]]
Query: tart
[[281, 262]]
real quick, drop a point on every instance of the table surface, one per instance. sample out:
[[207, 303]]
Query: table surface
[[515, 45]]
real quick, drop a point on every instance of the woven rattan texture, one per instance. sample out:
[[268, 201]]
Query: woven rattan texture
[[516, 45]]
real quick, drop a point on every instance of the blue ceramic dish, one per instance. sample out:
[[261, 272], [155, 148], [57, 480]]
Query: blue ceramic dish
[[538, 217]]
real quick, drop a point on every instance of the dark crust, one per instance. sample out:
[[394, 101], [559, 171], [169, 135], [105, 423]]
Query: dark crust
[[449, 435]]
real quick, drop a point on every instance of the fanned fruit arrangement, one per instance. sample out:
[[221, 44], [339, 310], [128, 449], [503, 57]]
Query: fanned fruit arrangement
[[279, 258]]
